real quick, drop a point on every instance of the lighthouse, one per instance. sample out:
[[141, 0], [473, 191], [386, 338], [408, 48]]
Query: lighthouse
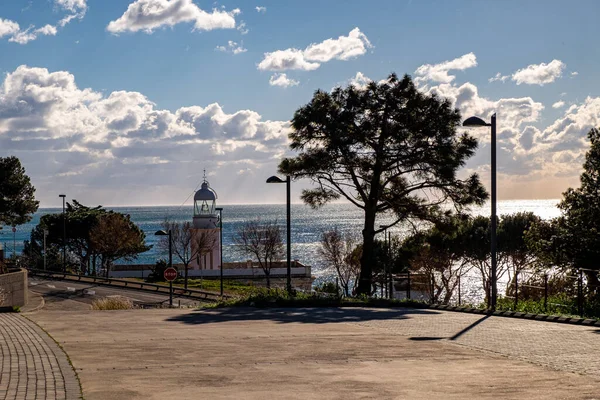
[[206, 241]]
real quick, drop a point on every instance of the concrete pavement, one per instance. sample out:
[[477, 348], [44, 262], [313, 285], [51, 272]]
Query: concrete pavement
[[325, 354]]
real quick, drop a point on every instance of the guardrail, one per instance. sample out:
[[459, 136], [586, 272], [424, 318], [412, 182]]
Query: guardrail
[[124, 283]]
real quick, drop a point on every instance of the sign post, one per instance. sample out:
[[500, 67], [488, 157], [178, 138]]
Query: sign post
[[170, 275]]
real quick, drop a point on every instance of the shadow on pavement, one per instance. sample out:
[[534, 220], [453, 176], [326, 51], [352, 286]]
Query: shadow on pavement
[[301, 315]]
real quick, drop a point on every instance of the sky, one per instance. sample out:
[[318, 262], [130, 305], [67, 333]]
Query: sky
[[127, 102]]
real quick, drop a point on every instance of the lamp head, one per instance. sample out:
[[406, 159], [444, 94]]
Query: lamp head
[[275, 179], [62, 195], [475, 122], [161, 233]]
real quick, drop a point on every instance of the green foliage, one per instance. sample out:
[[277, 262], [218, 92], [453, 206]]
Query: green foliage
[[327, 287], [280, 298], [560, 304], [386, 148], [116, 237], [17, 199], [578, 229], [158, 271]]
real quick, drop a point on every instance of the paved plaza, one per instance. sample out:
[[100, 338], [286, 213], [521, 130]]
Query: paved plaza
[[331, 353], [33, 366]]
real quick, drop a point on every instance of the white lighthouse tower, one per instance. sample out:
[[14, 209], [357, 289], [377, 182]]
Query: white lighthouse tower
[[206, 229]]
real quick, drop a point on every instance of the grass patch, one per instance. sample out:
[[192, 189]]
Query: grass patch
[[263, 298], [561, 304], [112, 303]]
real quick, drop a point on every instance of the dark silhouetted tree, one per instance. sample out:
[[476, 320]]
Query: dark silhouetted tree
[[388, 148], [17, 199]]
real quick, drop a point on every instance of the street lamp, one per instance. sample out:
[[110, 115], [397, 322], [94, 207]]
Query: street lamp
[[478, 122], [386, 268], [163, 233], [220, 210], [64, 234], [45, 235], [287, 181]]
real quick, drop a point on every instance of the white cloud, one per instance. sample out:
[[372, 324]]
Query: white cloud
[[539, 74], [72, 5], [8, 27], [16, 35], [232, 47], [87, 137], [47, 30], [558, 104], [26, 36], [574, 73], [242, 28], [261, 9], [439, 72], [282, 60], [148, 15], [360, 80], [343, 48], [282, 80], [499, 77]]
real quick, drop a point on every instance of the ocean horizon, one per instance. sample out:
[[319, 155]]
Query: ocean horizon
[[307, 225]]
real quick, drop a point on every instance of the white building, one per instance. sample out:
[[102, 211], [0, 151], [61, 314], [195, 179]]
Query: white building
[[206, 228]]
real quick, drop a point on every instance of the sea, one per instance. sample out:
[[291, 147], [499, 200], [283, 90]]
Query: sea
[[307, 225]]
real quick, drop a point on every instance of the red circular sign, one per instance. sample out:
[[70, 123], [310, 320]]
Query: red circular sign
[[14, 229], [170, 274]]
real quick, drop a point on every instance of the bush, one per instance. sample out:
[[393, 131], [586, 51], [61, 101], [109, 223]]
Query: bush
[[112, 303], [158, 272], [327, 287], [280, 298]]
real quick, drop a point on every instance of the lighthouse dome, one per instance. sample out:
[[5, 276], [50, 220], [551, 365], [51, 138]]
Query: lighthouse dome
[[205, 193]]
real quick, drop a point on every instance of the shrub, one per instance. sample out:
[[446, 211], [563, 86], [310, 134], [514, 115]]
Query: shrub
[[158, 271], [112, 303]]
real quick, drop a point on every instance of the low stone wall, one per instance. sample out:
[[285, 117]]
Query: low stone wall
[[13, 288]]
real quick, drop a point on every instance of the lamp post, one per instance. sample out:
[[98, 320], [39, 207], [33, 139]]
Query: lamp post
[[64, 234], [163, 233], [220, 210], [478, 122], [287, 181], [45, 234], [387, 273]]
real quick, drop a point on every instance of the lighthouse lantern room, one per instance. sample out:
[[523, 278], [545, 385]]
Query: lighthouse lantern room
[[206, 229]]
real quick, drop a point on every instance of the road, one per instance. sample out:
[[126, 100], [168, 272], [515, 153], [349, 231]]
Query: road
[[68, 295]]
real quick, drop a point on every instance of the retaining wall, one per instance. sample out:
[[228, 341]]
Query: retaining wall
[[14, 288]]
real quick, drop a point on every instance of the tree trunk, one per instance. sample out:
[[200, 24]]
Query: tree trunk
[[268, 278], [593, 283], [366, 260], [185, 276]]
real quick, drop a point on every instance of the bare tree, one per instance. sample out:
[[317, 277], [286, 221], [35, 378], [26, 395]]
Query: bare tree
[[188, 243], [337, 251], [262, 240]]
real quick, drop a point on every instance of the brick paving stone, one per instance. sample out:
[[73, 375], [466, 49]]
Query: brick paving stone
[[572, 348], [33, 366]]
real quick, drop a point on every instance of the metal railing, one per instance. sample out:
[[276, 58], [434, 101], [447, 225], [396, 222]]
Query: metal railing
[[124, 283]]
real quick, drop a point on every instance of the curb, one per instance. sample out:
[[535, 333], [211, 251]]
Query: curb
[[38, 307], [514, 314]]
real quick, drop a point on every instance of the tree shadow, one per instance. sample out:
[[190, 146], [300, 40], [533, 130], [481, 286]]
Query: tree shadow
[[297, 315], [453, 337]]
